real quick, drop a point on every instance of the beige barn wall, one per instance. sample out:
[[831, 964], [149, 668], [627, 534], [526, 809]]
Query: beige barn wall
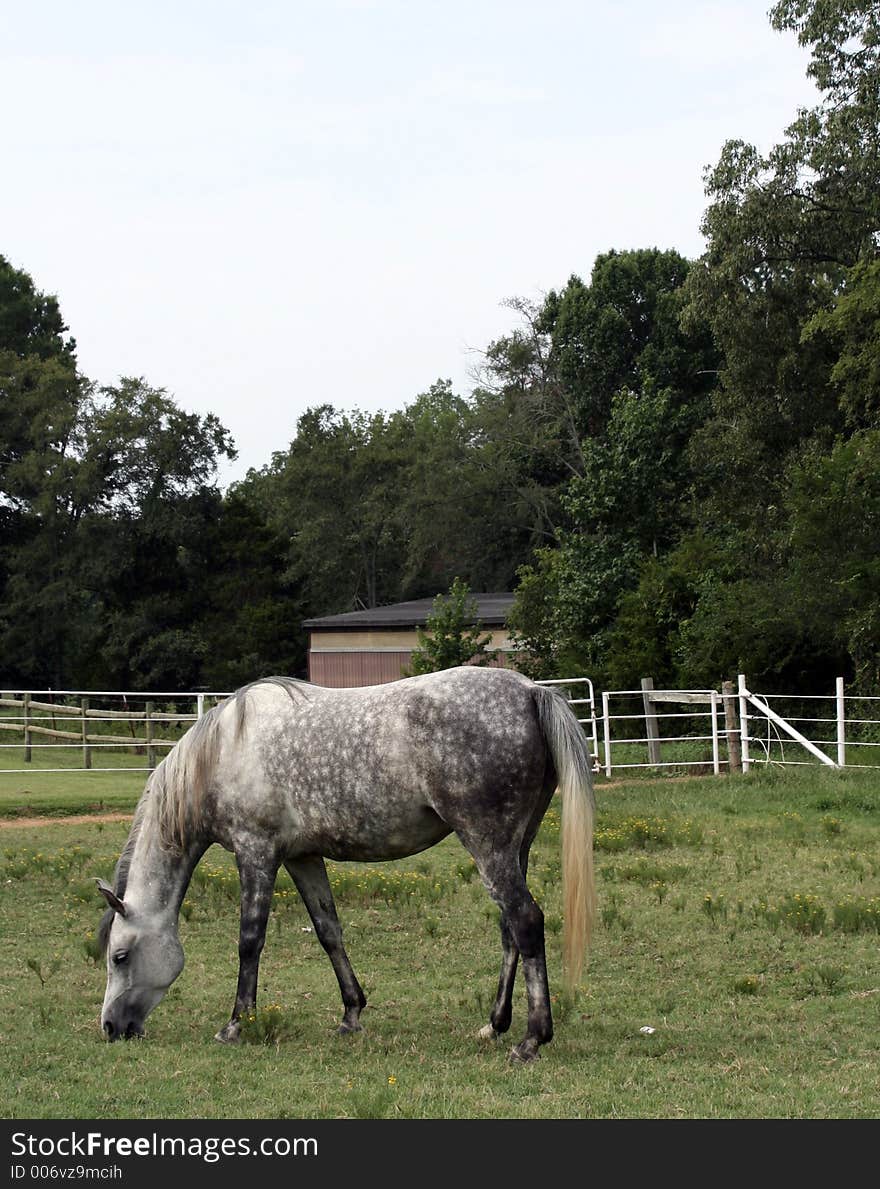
[[388, 641], [345, 659]]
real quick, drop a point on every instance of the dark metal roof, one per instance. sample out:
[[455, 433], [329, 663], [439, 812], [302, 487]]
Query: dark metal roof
[[492, 611]]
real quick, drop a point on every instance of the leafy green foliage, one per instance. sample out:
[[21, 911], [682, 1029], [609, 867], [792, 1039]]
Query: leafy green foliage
[[638, 385], [452, 635]]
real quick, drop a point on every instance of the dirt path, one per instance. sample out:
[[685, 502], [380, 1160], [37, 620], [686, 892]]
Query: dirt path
[[73, 819]]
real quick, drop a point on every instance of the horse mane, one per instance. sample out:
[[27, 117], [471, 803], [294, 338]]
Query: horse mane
[[181, 781], [120, 875], [176, 789]]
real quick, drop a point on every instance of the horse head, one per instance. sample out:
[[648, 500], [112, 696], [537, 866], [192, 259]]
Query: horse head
[[144, 957]]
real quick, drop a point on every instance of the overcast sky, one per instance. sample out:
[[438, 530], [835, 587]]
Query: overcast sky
[[268, 205]]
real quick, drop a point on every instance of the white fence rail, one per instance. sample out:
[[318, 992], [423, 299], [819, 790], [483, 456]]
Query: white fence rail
[[695, 731]]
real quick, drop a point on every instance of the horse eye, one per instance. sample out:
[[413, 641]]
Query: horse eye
[[119, 957]]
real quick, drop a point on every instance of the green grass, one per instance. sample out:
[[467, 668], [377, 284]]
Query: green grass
[[36, 787], [43, 792], [709, 932]]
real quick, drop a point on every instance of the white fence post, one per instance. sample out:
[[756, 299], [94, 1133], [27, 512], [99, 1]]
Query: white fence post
[[716, 761], [200, 705], [743, 722], [607, 732], [841, 724]]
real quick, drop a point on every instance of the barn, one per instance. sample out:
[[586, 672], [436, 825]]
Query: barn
[[375, 646]]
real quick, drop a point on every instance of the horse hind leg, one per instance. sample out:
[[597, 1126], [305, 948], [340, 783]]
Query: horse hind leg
[[310, 876], [522, 931], [502, 1010]]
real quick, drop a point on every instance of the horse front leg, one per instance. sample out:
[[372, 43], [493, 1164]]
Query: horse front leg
[[257, 876], [310, 876]]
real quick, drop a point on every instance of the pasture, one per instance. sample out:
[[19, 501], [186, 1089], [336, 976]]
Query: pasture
[[738, 921]]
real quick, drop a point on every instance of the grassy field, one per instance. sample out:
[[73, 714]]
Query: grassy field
[[738, 921], [41, 790]]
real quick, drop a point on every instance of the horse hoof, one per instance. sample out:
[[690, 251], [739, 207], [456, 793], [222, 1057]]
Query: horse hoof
[[349, 1029], [229, 1034], [487, 1032], [524, 1052]]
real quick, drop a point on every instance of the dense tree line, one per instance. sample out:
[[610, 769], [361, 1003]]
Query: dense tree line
[[675, 463]]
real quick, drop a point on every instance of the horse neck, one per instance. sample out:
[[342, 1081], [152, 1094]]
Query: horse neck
[[158, 877]]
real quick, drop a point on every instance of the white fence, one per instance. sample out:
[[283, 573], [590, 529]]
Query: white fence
[[838, 730], [713, 731], [682, 725], [698, 731]]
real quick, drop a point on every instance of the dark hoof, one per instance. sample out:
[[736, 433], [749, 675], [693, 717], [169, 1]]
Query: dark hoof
[[229, 1034], [525, 1052], [345, 1029]]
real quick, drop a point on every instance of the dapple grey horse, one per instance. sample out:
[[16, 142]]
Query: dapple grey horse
[[284, 772]]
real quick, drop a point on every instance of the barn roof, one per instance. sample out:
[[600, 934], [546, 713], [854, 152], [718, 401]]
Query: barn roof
[[492, 609]]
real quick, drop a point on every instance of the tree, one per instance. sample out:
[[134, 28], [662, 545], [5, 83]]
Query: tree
[[622, 333], [250, 616], [453, 634], [639, 387], [789, 286], [332, 495], [40, 397], [433, 501], [457, 512], [30, 321], [783, 232], [106, 494], [146, 482], [833, 506], [852, 329], [527, 439]]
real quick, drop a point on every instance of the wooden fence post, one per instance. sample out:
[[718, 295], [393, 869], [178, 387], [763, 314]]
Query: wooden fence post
[[652, 729], [151, 751], [27, 728], [731, 725], [87, 751]]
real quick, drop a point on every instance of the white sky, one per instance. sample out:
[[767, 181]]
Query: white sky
[[267, 205]]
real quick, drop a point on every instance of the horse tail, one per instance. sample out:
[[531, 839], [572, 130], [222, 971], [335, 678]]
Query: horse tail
[[570, 751]]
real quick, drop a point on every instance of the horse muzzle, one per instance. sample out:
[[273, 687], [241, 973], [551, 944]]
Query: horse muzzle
[[122, 1030]]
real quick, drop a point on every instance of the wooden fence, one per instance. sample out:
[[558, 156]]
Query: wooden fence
[[31, 716]]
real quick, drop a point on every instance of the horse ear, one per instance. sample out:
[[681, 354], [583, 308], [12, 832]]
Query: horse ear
[[110, 896]]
